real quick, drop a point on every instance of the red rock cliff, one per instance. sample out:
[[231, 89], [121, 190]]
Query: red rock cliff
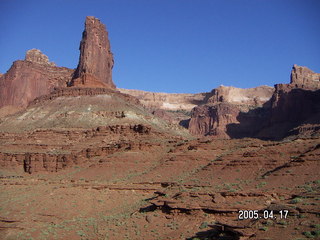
[[31, 78], [230, 112], [249, 113], [295, 103], [96, 59]]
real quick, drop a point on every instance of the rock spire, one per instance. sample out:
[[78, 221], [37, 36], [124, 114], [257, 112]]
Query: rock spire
[[96, 59]]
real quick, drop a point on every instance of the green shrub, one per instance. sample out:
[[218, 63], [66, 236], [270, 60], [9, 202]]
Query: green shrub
[[312, 234], [203, 225], [296, 200], [263, 229]]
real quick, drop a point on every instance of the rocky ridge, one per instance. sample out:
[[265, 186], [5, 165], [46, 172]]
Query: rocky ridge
[[166, 101], [250, 96], [264, 113]]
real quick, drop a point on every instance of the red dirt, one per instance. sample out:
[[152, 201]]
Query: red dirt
[[157, 186]]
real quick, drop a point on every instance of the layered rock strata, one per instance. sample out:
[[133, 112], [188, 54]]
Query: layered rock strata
[[65, 148], [230, 112], [305, 78], [265, 113], [294, 104], [31, 78], [166, 101], [251, 96]]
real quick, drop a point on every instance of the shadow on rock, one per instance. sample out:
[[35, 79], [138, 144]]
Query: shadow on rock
[[215, 234]]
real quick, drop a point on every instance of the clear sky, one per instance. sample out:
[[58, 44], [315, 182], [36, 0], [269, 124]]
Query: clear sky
[[173, 45]]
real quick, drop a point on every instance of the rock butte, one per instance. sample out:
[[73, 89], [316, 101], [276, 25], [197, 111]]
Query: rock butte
[[30, 78]]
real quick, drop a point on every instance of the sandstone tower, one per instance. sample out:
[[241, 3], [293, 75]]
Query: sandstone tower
[[96, 59]]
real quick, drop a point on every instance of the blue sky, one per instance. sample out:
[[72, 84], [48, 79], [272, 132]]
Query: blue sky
[[173, 45]]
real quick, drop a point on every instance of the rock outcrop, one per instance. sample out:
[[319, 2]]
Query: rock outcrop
[[231, 112], [31, 78], [166, 101], [96, 59], [36, 56], [54, 160], [249, 96], [36, 75], [303, 77], [172, 107], [264, 112], [213, 119], [294, 104]]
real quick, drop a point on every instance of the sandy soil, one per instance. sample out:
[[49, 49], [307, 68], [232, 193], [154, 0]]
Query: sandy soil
[[181, 189]]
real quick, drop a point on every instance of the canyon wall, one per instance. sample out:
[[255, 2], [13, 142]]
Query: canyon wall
[[166, 101], [294, 104], [230, 112]]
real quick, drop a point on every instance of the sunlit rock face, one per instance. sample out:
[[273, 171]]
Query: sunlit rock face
[[304, 77], [30, 78], [96, 59], [36, 56]]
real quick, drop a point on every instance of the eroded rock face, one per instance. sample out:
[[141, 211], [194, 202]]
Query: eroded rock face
[[56, 160], [213, 119], [227, 120], [304, 77], [96, 59], [252, 113], [37, 76], [231, 112], [249, 96], [36, 56], [166, 101], [172, 107], [212, 111], [294, 104], [31, 78]]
